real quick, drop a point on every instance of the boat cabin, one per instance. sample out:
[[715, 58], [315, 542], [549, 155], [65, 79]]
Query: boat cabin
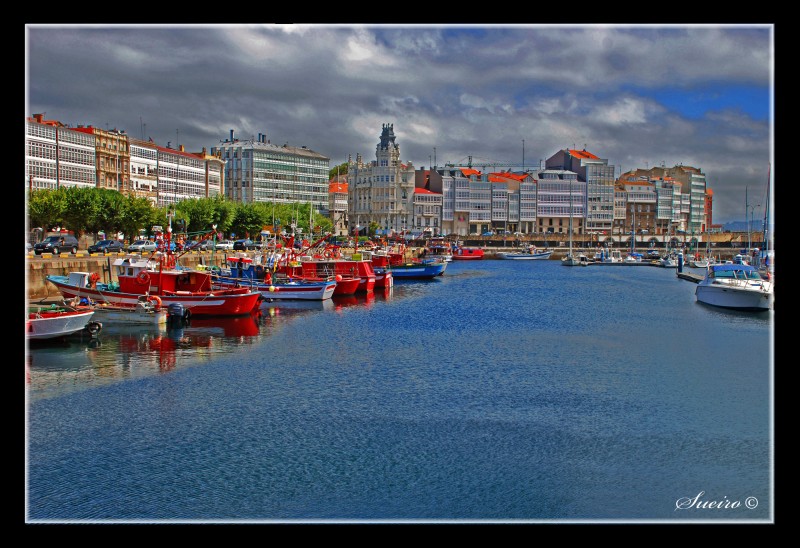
[[143, 276]]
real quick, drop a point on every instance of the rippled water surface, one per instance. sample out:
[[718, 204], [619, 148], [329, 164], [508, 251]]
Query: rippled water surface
[[503, 390]]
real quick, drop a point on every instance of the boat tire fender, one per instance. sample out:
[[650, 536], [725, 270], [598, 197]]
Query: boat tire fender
[[156, 300]]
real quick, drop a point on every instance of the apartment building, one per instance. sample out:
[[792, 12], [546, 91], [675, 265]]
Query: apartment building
[[181, 175], [144, 169], [560, 195], [337, 204], [381, 191], [112, 155], [258, 171], [57, 156], [427, 211], [599, 178]]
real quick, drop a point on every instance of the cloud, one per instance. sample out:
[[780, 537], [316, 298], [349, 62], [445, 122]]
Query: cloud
[[466, 90]]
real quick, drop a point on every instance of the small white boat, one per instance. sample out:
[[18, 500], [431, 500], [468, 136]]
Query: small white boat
[[609, 257], [735, 286], [148, 311], [59, 321], [669, 261], [529, 254]]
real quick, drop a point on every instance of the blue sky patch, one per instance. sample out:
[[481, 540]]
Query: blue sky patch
[[695, 103]]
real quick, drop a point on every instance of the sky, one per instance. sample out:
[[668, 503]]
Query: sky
[[637, 95]]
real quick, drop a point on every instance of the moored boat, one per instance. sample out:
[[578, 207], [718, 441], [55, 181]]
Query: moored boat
[[53, 322], [148, 311], [468, 254], [277, 284], [144, 277], [735, 286], [530, 253], [438, 249]]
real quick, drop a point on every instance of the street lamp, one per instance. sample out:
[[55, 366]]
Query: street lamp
[[214, 228]]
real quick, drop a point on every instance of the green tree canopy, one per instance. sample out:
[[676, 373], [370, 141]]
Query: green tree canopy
[[341, 169]]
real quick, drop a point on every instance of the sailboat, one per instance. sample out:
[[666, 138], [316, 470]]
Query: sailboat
[[767, 258], [570, 259]]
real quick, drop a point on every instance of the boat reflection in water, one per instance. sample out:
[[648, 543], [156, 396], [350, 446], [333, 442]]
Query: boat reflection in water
[[289, 308], [124, 352]]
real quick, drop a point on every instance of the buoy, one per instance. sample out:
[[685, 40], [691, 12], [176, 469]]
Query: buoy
[[338, 277], [156, 300], [143, 278], [272, 289]]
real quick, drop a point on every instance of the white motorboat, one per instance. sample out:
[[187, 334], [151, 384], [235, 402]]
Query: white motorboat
[[735, 286]]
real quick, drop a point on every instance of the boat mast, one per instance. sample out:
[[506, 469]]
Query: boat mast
[[570, 218], [765, 228]]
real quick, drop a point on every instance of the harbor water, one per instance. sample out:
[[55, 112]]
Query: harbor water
[[503, 391]]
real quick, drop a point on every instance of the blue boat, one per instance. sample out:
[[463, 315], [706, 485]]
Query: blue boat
[[271, 285], [424, 269]]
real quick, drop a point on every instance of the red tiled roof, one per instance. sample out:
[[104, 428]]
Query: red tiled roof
[[420, 190], [338, 187], [468, 171], [582, 154], [509, 175]]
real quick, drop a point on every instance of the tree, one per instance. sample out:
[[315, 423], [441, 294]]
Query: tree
[[137, 213], [82, 206], [341, 169], [248, 220], [45, 208], [110, 214]]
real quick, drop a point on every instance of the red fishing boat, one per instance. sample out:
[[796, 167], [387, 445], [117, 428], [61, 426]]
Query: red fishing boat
[[164, 283], [324, 259], [468, 254]]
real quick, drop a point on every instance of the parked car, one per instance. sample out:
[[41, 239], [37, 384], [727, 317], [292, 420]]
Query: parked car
[[146, 246], [206, 245], [225, 245], [488, 233], [106, 246], [245, 244], [28, 247], [57, 244], [193, 245]]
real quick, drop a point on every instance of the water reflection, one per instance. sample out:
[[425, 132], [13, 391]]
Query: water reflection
[[122, 352]]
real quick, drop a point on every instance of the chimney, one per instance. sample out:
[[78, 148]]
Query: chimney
[[231, 136], [204, 151], [38, 117], [180, 147]]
